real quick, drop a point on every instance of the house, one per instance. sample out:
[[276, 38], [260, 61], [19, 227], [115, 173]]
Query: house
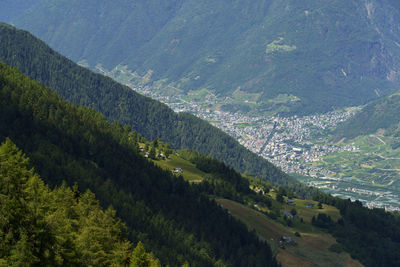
[[146, 155], [177, 170], [287, 214], [309, 204], [141, 149], [290, 202]]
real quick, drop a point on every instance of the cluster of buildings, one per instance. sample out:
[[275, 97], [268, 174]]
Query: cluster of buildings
[[287, 142], [292, 143]]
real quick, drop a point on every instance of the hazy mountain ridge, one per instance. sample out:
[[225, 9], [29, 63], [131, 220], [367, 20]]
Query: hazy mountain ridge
[[14, 8], [325, 53]]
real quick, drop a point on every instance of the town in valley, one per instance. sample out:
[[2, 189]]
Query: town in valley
[[299, 145]]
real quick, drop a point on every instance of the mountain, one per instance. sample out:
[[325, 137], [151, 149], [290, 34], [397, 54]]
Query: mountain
[[177, 221], [14, 8], [382, 114], [59, 227], [119, 103], [262, 56], [71, 144]]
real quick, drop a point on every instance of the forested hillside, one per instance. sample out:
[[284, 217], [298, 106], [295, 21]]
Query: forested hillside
[[67, 143], [119, 103], [304, 57], [381, 114], [60, 227], [370, 235]]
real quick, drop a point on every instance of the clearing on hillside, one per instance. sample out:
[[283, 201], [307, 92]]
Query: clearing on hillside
[[312, 249]]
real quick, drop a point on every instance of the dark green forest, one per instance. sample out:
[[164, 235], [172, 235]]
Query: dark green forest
[[119, 103], [67, 143], [60, 227], [370, 235]]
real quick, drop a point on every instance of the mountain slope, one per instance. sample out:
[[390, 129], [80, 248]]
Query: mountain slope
[[176, 220], [11, 9], [59, 227], [67, 143], [119, 103], [320, 54], [382, 114]]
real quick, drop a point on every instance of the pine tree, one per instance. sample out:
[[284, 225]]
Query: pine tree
[[139, 257]]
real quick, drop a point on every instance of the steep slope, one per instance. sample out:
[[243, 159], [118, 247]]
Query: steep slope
[[60, 227], [369, 235], [72, 144], [319, 54], [311, 247], [382, 114], [119, 103], [11, 9]]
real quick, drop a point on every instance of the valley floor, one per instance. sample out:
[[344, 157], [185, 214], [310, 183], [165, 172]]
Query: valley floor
[[365, 168]]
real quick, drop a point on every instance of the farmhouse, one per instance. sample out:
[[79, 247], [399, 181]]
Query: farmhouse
[[177, 170], [309, 204]]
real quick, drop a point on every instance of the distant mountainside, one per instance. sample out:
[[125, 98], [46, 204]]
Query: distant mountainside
[[14, 8], [382, 114], [262, 55], [176, 220], [119, 103]]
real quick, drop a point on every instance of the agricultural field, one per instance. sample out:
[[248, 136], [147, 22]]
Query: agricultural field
[[371, 174], [312, 248], [189, 171], [174, 161]]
